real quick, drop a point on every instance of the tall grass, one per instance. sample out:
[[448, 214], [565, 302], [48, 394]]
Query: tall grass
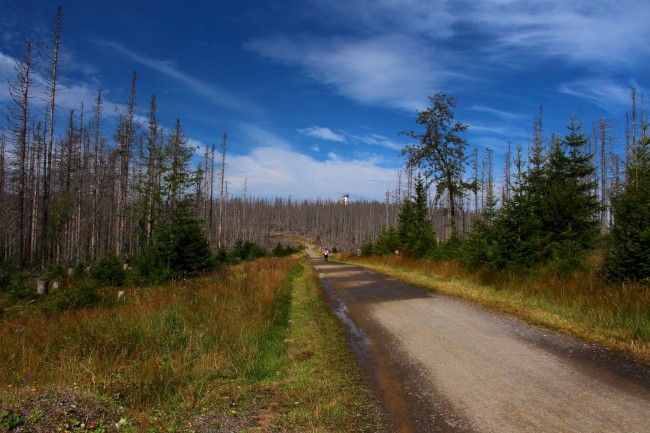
[[163, 343], [581, 303], [253, 348]]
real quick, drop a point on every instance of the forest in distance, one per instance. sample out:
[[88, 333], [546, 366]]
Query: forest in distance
[[133, 193]]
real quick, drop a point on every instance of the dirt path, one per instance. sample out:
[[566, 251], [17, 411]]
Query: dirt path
[[445, 365]]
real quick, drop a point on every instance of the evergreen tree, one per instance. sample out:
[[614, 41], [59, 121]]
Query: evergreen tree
[[416, 234], [181, 245], [441, 151], [570, 205], [515, 233], [478, 248], [552, 210], [628, 252], [387, 242]]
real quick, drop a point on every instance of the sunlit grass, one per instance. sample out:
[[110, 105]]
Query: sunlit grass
[[582, 304], [253, 345], [324, 389], [136, 350]]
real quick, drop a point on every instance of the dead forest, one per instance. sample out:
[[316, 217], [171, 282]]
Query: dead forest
[[79, 185]]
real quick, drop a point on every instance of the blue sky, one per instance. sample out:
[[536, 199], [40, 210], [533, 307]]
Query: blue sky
[[313, 93]]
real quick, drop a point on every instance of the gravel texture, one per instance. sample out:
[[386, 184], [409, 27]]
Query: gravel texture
[[441, 364]]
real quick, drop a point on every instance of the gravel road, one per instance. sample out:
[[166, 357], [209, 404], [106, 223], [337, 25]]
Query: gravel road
[[444, 365]]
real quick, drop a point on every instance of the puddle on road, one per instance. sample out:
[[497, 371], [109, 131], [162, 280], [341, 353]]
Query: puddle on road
[[359, 339]]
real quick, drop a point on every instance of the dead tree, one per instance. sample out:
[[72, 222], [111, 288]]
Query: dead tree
[[53, 56], [124, 138], [18, 119]]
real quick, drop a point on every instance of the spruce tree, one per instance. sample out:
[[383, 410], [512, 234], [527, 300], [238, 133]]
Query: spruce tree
[[515, 233], [628, 252], [416, 234], [570, 206], [180, 243]]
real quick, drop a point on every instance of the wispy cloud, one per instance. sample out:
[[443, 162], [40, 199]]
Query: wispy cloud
[[257, 136], [7, 74], [581, 30], [501, 114], [322, 133], [419, 48], [603, 31], [374, 139], [605, 93], [388, 70], [201, 88]]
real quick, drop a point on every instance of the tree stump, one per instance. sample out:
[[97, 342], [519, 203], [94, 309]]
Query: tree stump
[[41, 287]]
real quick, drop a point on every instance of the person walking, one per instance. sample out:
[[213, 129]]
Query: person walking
[[326, 254]]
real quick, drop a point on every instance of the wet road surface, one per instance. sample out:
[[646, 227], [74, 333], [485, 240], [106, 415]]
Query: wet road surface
[[444, 365]]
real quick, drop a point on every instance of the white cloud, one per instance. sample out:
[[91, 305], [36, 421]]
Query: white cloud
[[374, 139], [581, 30], [322, 133], [418, 48], [604, 93], [7, 74], [505, 115], [602, 31], [273, 172], [388, 70]]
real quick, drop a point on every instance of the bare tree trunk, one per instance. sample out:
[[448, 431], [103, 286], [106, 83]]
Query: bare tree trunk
[[94, 231], [47, 159], [124, 142], [210, 204], [603, 176], [18, 121], [222, 196], [505, 196], [3, 182]]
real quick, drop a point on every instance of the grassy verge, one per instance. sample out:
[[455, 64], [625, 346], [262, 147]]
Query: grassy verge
[[250, 349], [581, 304], [324, 392]]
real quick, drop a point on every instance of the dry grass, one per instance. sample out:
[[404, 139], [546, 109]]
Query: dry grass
[[253, 349], [174, 343], [581, 304]]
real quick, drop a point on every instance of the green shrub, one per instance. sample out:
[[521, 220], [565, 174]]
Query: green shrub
[[109, 271], [74, 298], [245, 250]]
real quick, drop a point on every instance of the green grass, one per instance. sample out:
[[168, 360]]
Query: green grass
[[323, 386], [245, 350], [581, 304]]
